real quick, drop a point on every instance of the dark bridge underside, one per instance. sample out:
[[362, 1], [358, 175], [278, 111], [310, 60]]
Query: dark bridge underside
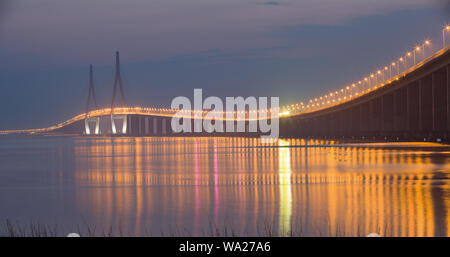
[[416, 107]]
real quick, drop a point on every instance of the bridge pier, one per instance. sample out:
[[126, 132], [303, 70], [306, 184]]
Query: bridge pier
[[433, 102], [440, 102], [377, 128], [140, 125], [447, 70], [408, 108], [427, 106], [420, 106], [155, 126], [87, 129], [124, 119], [413, 109], [401, 117]]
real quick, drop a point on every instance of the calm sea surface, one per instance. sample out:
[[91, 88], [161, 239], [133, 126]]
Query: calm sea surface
[[205, 186]]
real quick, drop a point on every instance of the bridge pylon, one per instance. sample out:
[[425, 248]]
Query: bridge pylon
[[118, 82], [89, 119]]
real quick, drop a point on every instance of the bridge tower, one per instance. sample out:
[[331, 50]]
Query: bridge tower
[[115, 117], [89, 119]]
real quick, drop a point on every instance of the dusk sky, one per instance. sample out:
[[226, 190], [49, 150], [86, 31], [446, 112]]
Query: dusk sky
[[291, 49]]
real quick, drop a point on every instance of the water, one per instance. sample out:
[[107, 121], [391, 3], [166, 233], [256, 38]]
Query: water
[[193, 186]]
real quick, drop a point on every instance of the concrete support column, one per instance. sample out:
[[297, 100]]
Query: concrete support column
[[420, 105], [382, 114], [124, 124], [124, 119], [140, 125], [408, 108], [129, 124], [371, 118], [155, 126], [87, 127], [163, 127], [361, 117], [448, 96], [433, 102], [394, 113]]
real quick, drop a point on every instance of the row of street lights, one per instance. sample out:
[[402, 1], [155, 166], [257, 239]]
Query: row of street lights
[[409, 60]]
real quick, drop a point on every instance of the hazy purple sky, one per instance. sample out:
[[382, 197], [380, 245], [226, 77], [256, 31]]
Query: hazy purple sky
[[168, 47], [79, 30]]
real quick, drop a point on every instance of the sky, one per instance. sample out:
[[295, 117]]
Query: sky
[[293, 49]]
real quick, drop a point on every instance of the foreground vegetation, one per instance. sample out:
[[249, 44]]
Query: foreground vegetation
[[34, 229]]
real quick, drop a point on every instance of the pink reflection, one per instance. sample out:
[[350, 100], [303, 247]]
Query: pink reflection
[[197, 193], [216, 182]]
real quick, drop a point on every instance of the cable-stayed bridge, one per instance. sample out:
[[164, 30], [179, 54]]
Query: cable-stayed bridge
[[407, 100]]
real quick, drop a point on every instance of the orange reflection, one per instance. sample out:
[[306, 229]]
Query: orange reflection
[[285, 188], [299, 187]]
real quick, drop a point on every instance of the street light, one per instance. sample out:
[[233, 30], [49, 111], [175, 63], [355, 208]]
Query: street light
[[385, 69], [404, 63], [426, 43], [414, 53], [408, 54], [445, 29], [371, 77], [393, 64], [376, 77]]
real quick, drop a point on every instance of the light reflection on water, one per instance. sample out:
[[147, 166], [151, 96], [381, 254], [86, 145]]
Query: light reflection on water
[[293, 187]]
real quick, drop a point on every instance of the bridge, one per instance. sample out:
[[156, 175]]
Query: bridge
[[407, 100], [414, 105]]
